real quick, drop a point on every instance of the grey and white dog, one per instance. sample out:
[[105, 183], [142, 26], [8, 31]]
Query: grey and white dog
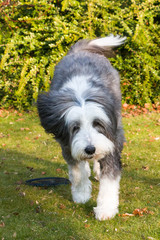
[[83, 111]]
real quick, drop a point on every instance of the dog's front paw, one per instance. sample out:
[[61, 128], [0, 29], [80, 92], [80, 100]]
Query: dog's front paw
[[104, 213], [82, 193]]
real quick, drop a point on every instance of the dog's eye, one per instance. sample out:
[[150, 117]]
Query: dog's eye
[[98, 126], [75, 129]]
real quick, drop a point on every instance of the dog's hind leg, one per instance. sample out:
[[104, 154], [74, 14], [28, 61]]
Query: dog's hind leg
[[81, 185], [96, 169], [108, 197]]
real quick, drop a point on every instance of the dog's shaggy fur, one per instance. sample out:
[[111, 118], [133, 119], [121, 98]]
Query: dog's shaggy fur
[[83, 111]]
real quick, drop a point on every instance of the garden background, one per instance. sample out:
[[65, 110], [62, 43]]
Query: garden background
[[36, 34]]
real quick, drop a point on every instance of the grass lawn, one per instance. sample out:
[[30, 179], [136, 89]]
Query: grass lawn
[[32, 213]]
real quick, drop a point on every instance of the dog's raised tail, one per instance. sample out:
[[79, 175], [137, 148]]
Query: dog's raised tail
[[110, 41], [103, 46]]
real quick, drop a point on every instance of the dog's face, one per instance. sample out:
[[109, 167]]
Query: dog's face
[[88, 128]]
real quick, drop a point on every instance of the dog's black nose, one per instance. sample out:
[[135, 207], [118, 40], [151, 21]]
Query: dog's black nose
[[90, 149]]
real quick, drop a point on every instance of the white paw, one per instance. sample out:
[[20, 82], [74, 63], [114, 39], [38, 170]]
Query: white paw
[[81, 193], [104, 213]]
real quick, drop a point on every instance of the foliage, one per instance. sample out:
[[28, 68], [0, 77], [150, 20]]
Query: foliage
[[35, 35]]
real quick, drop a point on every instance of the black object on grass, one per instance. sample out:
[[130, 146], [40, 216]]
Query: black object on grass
[[47, 182]]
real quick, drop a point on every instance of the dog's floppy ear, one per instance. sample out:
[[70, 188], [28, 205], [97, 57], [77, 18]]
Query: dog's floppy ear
[[103, 46], [51, 108]]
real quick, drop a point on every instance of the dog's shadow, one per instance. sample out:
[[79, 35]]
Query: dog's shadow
[[64, 191]]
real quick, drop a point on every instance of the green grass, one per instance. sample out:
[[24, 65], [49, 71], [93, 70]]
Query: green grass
[[36, 213]]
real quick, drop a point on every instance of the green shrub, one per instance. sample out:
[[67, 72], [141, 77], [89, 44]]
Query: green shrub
[[35, 35]]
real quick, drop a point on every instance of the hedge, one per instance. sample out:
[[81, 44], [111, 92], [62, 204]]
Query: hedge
[[36, 34]]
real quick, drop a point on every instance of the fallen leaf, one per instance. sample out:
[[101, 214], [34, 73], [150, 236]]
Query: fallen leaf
[[50, 192], [152, 139], [20, 182], [20, 119], [38, 209], [87, 225], [146, 168], [151, 212], [147, 105], [22, 129], [124, 165], [31, 203], [127, 215], [144, 210], [125, 105], [2, 224], [72, 238], [16, 213], [22, 194], [30, 168], [2, 135], [18, 188], [132, 107], [14, 234], [62, 206], [37, 137], [144, 110], [138, 212]]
